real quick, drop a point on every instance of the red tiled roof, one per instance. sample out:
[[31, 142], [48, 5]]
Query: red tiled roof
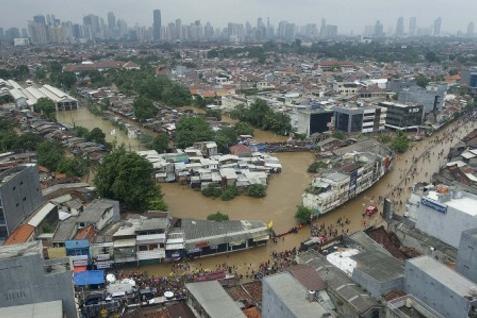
[[21, 234], [86, 233]]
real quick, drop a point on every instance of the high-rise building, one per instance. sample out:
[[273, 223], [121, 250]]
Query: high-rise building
[[378, 29], [400, 27], [437, 26], [40, 19], [157, 25], [412, 26], [470, 29], [111, 21]]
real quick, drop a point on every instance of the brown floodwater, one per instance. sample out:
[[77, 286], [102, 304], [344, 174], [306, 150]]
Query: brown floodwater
[[83, 117], [285, 189]]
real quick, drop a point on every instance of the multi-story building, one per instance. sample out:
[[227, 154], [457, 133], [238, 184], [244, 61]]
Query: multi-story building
[[360, 119], [444, 214], [309, 120], [27, 278], [210, 300], [284, 296], [467, 255], [403, 116], [443, 289], [353, 173], [157, 25], [20, 195]]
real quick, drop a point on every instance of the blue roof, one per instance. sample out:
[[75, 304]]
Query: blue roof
[[89, 278], [76, 244]]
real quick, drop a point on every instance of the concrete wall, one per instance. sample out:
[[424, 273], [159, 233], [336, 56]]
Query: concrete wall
[[20, 196], [467, 255], [434, 293], [24, 281], [272, 306], [446, 227]]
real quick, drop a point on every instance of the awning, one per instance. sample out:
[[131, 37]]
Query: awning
[[79, 269], [237, 243], [261, 238], [85, 278]]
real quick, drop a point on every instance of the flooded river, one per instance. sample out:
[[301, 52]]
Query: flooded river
[[284, 192], [83, 117]]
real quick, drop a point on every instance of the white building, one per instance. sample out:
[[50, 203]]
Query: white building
[[444, 215]]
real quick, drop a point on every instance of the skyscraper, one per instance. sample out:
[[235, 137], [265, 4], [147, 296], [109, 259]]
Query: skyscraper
[[437, 26], [378, 29], [412, 26], [157, 25], [400, 27], [470, 29]]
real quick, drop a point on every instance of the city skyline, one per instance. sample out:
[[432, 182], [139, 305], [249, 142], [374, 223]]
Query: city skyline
[[348, 15]]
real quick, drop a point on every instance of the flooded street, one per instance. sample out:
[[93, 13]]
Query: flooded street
[[283, 195], [83, 117], [285, 189]]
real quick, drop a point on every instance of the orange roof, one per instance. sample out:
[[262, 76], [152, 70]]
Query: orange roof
[[252, 312], [86, 233], [20, 235]]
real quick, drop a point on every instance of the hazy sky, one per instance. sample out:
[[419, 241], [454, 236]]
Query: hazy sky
[[348, 14]]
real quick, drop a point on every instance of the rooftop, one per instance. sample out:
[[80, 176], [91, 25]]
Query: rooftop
[[51, 309], [20, 235], [443, 274], [15, 250], [293, 295], [214, 300]]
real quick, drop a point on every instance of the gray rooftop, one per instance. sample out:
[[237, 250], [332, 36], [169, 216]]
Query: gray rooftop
[[339, 282], [92, 213], [214, 300], [443, 274], [195, 229], [51, 309], [293, 295], [380, 266], [30, 248], [66, 229]]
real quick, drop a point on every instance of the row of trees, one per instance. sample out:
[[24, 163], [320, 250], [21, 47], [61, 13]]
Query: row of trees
[[146, 84], [192, 129], [95, 135], [260, 115], [52, 155], [230, 192]]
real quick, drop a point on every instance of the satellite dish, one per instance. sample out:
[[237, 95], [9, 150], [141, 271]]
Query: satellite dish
[[110, 278]]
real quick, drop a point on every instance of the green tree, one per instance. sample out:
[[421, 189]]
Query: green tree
[[242, 128], [316, 166], [339, 135], [144, 108], [400, 143], [257, 191], [73, 167], [97, 135], [160, 143], [50, 154], [81, 132], [422, 80], [303, 215], [229, 193], [127, 177], [218, 217], [212, 191], [225, 138], [190, 130], [46, 107]]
